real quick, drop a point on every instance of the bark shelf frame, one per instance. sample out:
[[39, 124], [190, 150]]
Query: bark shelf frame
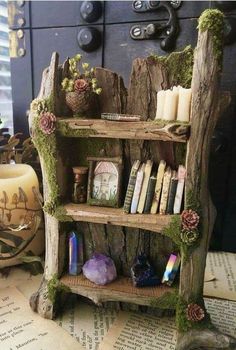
[[148, 76]]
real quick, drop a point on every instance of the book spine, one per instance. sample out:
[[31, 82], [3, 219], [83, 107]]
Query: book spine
[[150, 194], [142, 198], [172, 193], [165, 190], [159, 182], [130, 188], [137, 190], [180, 189]]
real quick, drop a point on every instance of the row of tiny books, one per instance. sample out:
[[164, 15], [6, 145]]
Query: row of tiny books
[[154, 192]]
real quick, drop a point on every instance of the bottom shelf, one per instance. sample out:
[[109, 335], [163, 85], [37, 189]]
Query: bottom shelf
[[121, 290]]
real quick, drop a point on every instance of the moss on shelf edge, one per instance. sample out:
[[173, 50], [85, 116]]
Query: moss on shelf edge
[[55, 288], [63, 128], [213, 20], [168, 301]]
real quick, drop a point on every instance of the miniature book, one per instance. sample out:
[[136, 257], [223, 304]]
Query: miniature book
[[131, 185], [150, 194], [147, 173], [137, 189], [157, 194], [165, 190], [172, 193], [180, 189]]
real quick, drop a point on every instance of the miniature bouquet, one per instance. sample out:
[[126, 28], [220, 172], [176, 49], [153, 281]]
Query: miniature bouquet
[[81, 89]]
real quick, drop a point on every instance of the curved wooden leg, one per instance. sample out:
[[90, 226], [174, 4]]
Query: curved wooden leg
[[41, 303], [205, 339]]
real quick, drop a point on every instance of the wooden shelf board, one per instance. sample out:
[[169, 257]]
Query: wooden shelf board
[[121, 289], [143, 130], [116, 216]]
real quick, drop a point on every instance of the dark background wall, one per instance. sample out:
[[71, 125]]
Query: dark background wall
[[49, 26]]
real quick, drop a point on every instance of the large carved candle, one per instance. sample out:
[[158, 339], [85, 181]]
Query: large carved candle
[[20, 213]]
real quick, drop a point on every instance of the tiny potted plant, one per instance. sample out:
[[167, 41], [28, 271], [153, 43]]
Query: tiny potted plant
[[81, 90]]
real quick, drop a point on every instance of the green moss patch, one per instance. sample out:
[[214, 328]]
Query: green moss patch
[[168, 301], [64, 129], [56, 288], [213, 20], [179, 66], [46, 146], [183, 324]]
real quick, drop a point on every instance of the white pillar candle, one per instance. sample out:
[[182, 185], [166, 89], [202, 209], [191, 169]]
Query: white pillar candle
[[160, 104], [183, 114], [170, 106], [20, 213]]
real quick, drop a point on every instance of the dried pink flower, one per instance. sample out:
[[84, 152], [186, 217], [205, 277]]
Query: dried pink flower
[[80, 85]]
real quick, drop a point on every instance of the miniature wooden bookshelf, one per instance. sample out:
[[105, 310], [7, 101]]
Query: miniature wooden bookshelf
[[123, 236]]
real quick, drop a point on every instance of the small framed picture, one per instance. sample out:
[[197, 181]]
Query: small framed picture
[[104, 181]]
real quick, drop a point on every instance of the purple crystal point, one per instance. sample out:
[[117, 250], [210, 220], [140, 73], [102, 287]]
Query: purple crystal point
[[100, 269]]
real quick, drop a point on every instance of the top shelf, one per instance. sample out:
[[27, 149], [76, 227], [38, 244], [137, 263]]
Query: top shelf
[[142, 130]]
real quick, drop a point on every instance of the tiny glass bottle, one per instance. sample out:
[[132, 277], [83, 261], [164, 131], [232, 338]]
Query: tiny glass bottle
[[76, 256], [79, 194]]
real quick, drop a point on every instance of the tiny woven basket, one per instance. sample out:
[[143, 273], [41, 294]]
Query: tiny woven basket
[[83, 104]]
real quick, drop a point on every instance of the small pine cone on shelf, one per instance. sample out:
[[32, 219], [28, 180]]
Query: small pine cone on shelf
[[195, 313], [189, 236], [47, 123], [190, 219]]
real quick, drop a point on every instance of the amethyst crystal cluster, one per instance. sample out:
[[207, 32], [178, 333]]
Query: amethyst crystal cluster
[[100, 269]]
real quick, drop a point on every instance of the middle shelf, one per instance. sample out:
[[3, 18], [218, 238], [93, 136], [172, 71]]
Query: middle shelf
[[116, 216]]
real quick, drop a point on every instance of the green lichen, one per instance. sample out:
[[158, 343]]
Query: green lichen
[[103, 202], [192, 201], [163, 122], [179, 65], [63, 129], [61, 215], [173, 230], [46, 146], [180, 150], [168, 301], [213, 20], [56, 288], [182, 323]]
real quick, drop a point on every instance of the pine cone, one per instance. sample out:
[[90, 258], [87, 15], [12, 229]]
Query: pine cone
[[195, 313], [190, 219], [47, 123], [80, 85], [189, 236]]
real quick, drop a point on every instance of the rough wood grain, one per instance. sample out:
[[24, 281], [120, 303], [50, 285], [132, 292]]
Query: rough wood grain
[[204, 114], [121, 289], [39, 301], [116, 216], [176, 132]]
